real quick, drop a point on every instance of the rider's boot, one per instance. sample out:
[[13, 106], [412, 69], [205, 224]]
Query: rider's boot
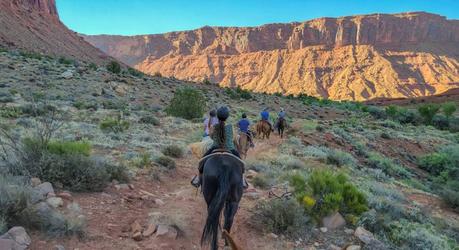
[[196, 181]]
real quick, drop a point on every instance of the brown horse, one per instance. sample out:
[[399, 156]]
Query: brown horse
[[263, 129], [243, 144]]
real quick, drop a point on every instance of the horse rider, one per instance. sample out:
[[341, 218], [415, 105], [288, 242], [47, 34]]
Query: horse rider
[[265, 117], [280, 116], [222, 135], [244, 127], [210, 122]]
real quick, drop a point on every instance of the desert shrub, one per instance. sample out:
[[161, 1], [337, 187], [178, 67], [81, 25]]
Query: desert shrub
[[116, 172], [206, 81], [114, 125], [93, 66], [428, 111], [166, 162], [150, 119], [157, 74], [325, 192], [454, 125], [448, 109], [409, 235], [444, 166], [405, 116], [31, 54], [69, 147], [391, 111], [117, 105], [65, 61], [340, 158], [435, 163], [280, 216], [10, 112], [377, 112], [15, 196], [187, 103], [134, 72], [114, 67], [388, 166], [440, 122], [173, 151], [261, 181], [86, 104]]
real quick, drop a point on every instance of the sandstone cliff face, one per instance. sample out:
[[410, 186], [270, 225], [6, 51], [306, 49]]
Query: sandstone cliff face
[[356, 58], [34, 25]]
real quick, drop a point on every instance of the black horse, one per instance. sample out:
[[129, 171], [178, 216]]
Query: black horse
[[221, 187], [281, 125]]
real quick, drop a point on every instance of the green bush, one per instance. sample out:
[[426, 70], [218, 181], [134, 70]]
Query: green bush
[[114, 67], [261, 181], [388, 166], [428, 111], [66, 61], [69, 147], [280, 216], [435, 163], [440, 122], [114, 125], [31, 54], [391, 111], [10, 112], [86, 104], [409, 235], [173, 151], [448, 109], [15, 196], [117, 105], [134, 72], [324, 193], [93, 66], [166, 162], [187, 103], [377, 112], [150, 119], [340, 158]]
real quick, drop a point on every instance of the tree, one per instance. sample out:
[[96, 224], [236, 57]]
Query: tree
[[428, 111], [187, 103], [448, 109], [114, 67]]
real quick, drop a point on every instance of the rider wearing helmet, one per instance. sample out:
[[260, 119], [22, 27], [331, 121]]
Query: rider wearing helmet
[[222, 135], [244, 127]]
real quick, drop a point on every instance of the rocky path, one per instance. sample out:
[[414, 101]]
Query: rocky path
[[114, 215]]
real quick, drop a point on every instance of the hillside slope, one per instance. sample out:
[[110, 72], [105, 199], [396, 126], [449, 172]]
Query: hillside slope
[[348, 58], [34, 25]]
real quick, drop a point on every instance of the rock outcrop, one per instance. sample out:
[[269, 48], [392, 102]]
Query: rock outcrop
[[34, 25], [351, 58]]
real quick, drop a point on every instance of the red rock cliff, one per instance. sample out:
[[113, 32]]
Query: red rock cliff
[[34, 25], [356, 57]]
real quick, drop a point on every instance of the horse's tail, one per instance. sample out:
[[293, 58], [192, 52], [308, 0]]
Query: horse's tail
[[210, 233]]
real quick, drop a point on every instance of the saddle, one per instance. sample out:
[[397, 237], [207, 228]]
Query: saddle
[[220, 151]]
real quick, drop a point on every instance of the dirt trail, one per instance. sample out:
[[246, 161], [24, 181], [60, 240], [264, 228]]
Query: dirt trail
[[110, 213]]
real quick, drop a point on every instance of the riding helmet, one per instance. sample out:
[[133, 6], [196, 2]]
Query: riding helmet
[[212, 113], [244, 115], [223, 113]]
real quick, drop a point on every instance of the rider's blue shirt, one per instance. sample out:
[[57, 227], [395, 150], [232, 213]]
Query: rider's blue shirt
[[264, 115], [243, 125]]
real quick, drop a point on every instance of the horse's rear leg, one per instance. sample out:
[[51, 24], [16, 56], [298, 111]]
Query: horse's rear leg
[[230, 212]]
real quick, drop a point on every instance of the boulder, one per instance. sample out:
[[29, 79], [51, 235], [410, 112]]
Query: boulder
[[45, 188], [55, 202], [19, 238], [35, 182], [67, 74], [151, 229], [59, 247], [159, 202], [333, 221], [368, 238], [137, 236], [165, 231], [6, 244], [136, 227], [323, 229], [353, 247], [65, 196]]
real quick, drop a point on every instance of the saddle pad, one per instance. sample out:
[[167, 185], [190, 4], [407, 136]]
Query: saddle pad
[[221, 153]]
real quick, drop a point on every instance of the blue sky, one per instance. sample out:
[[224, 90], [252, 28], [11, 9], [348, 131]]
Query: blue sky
[[135, 17]]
